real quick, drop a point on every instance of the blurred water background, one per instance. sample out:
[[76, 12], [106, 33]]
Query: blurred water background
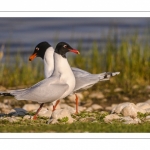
[[105, 44], [23, 34]]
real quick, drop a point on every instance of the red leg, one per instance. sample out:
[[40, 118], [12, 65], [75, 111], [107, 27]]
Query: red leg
[[54, 107], [76, 104], [35, 116]]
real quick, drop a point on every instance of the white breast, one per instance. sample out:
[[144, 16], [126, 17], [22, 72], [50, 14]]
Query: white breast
[[49, 62], [63, 70]]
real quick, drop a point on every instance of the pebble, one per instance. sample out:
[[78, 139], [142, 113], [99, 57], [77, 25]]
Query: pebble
[[147, 118], [128, 118], [111, 117], [67, 107], [81, 108], [118, 90], [31, 107], [148, 101], [119, 107], [44, 112], [88, 119], [12, 119], [47, 114], [26, 117], [147, 110], [141, 110], [59, 114], [88, 103], [130, 110], [125, 98], [89, 109], [5, 110], [98, 95], [107, 90], [96, 107], [108, 108], [4, 106], [73, 97], [2, 88], [135, 87], [143, 105], [148, 87], [134, 121]]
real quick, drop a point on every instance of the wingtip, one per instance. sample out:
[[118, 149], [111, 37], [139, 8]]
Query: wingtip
[[115, 73]]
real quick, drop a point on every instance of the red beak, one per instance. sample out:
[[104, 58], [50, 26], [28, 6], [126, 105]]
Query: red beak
[[32, 56], [74, 51]]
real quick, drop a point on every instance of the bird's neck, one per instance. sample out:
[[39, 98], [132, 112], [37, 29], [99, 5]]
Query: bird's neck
[[62, 67], [49, 62]]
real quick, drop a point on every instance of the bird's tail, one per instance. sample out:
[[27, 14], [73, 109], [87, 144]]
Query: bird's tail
[[107, 75], [11, 92]]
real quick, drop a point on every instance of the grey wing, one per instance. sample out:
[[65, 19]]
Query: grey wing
[[44, 91], [83, 83], [79, 72]]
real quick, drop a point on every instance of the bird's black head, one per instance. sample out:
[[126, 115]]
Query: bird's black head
[[62, 48], [40, 50]]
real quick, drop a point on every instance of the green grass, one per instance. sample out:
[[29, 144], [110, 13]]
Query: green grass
[[97, 125], [131, 57], [77, 127]]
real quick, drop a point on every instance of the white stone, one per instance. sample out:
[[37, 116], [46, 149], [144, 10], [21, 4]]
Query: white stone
[[98, 95], [89, 109], [128, 118], [31, 107], [119, 107], [69, 108], [108, 108], [73, 97], [118, 90], [96, 107], [5, 110], [111, 117], [130, 110], [148, 101], [10, 119], [147, 110], [81, 108], [125, 98], [61, 113], [52, 121], [141, 110], [148, 87], [147, 118], [48, 114], [88, 103], [143, 105], [42, 111], [4, 106], [135, 87], [26, 117], [134, 121]]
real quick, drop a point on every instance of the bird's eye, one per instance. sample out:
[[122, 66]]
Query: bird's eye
[[65, 46], [37, 48]]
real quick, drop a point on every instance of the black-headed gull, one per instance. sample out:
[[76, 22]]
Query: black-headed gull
[[59, 85], [84, 79]]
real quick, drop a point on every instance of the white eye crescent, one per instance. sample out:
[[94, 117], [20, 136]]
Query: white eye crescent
[[65, 46], [37, 48]]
